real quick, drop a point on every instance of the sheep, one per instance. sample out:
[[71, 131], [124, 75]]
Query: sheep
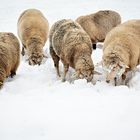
[[97, 25], [70, 43], [33, 30], [9, 55], [121, 51]]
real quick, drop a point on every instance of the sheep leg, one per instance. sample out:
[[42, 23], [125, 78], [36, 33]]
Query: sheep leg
[[1, 84], [124, 77], [57, 66], [94, 46], [66, 67], [13, 71], [2, 78], [23, 51], [12, 74], [115, 80], [55, 60]]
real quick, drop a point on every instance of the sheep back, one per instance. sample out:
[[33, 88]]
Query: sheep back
[[65, 36], [32, 23], [9, 55], [97, 25]]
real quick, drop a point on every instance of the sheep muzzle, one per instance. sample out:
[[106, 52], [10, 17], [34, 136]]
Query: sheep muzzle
[[35, 59], [79, 75]]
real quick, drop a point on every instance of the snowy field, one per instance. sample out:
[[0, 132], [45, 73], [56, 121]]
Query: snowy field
[[36, 105]]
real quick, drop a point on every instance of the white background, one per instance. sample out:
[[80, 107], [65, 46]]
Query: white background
[[36, 105]]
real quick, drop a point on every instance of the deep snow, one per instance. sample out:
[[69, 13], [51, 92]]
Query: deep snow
[[37, 105]]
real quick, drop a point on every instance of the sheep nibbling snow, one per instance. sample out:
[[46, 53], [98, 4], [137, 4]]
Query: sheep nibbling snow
[[33, 30], [70, 43], [121, 51], [9, 55]]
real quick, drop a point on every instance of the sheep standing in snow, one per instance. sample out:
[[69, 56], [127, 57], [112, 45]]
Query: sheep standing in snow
[[121, 51], [97, 25], [70, 43], [33, 30], [9, 55]]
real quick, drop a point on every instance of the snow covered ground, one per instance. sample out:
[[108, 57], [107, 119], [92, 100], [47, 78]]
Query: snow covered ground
[[36, 105]]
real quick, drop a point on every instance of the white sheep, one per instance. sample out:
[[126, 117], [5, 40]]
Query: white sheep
[[9, 55], [97, 25], [70, 43], [121, 51], [33, 30]]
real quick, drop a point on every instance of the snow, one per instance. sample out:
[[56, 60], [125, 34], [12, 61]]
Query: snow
[[36, 105]]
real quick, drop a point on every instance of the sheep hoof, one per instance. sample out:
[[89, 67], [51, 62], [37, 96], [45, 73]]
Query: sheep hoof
[[63, 80], [71, 81], [115, 80]]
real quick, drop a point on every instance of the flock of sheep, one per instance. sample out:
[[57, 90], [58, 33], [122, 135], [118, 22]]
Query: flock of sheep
[[72, 42]]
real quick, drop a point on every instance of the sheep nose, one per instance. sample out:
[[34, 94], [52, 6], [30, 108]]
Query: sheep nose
[[107, 81]]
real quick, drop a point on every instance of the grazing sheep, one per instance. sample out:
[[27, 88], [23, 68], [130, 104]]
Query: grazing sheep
[[121, 51], [97, 25], [70, 43], [33, 30], [9, 55]]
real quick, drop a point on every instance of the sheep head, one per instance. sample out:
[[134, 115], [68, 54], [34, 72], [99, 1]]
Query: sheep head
[[114, 70], [84, 69], [35, 59], [115, 62], [35, 51]]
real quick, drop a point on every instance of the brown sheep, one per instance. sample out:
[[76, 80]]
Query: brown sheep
[[97, 25], [121, 51], [9, 55], [33, 30], [70, 43]]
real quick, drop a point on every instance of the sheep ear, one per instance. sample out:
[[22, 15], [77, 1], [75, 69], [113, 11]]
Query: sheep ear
[[97, 73], [127, 67]]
